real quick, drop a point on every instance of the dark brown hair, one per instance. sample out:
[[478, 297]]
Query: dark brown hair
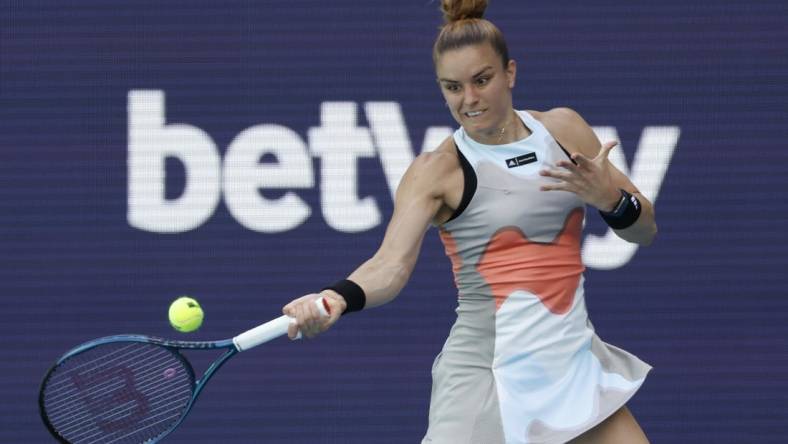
[[465, 26]]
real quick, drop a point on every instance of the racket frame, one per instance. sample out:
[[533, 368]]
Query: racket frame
[[172, 346], [244, 341]]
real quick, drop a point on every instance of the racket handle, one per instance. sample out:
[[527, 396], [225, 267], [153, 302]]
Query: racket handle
[[272, 329]]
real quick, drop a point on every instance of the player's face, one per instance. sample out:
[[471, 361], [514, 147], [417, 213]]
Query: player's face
[[477, 88]]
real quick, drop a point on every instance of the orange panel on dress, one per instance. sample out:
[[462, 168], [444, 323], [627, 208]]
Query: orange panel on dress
[[551, 271]]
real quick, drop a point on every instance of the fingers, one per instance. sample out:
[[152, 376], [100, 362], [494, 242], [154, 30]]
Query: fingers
[[308, 318], [562, 186], [568, 169], [292, 331], [587, 178], [580, 160], [567, 165], [563, 176], [568, 173], [289, 309], [306, 314]]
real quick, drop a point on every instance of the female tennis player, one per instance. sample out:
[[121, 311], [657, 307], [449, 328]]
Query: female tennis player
[[508, 192]]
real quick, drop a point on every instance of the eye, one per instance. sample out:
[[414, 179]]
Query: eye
[[452, 87], [481, 81]]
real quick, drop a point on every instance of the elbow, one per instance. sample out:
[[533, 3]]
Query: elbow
[[401, 272], [394, 280], [650, 228], [648, 239]]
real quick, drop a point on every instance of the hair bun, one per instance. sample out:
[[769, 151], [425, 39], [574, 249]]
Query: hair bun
[[454, 10]]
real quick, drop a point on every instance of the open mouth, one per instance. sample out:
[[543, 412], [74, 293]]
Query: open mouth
[[473, 114]]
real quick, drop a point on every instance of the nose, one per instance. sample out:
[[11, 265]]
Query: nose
[[470, 96]]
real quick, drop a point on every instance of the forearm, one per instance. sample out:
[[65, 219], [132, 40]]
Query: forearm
[[381, 279]]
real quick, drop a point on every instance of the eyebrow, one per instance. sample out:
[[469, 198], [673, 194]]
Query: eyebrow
[[482, 71]]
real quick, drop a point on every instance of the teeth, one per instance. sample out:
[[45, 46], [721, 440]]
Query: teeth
[[473, 113]]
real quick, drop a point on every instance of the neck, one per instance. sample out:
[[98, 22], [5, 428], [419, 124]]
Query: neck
[[508, 131]]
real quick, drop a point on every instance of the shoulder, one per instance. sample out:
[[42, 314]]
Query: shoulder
[[569, 128], [442, 159], [430, 170], [562, 122]]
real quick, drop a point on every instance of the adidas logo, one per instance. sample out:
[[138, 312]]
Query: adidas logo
[[525, 159]]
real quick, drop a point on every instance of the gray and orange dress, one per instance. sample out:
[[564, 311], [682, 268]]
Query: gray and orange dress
[[522, 363]]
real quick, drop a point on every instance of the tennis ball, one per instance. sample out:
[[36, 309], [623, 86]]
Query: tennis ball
[[185, 314]]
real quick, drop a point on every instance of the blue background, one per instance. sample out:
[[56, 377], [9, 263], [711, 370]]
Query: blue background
[[705, 305]]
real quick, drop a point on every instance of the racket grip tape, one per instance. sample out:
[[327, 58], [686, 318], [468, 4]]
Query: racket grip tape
[[272, 329]]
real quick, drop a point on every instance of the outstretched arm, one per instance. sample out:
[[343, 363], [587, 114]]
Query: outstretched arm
[[417, 201]]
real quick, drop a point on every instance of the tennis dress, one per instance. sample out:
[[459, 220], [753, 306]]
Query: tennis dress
[[522, 363]]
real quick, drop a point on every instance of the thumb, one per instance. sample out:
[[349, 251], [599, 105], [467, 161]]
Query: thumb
[[606, 148]]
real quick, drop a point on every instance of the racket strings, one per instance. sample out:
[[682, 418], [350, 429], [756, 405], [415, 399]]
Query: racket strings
[[126, 392], [113, 384]]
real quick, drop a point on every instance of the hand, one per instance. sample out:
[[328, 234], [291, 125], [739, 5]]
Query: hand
[[590, 179], [309, 320]]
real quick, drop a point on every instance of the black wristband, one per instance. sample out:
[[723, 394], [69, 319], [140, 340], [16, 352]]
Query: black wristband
[[353, 294], [626, 212]]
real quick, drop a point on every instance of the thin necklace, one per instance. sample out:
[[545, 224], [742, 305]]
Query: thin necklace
[[500, 136]]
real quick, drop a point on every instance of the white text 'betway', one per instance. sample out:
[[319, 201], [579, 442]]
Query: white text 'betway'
[[338, 142]]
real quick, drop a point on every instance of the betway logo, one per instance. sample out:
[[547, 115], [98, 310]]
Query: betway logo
[[338, 142]]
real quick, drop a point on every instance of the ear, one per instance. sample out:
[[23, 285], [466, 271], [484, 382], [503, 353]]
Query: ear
[[511, 73]]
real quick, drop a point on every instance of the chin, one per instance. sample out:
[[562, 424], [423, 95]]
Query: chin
[[478, 127]]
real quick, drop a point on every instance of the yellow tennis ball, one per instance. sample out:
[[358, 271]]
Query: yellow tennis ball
[[185, 314]]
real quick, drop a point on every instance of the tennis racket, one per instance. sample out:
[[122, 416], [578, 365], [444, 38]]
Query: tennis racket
[[128, 389]]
